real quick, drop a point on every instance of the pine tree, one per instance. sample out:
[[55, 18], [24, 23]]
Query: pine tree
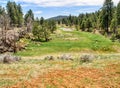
[[88, 24], [46, 31], [52, 25], [20, 16], [113, 25], [118, 13], [70, 20], [41, 32], [37, 31], [106, 15], [82, 25], [2, 10], [30, 15], [11, 12], [41, 21], [37, 20], [15, 13]]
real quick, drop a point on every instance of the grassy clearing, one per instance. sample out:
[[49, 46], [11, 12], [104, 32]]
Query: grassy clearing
[[28, 69], [63, 42], [70, 42]]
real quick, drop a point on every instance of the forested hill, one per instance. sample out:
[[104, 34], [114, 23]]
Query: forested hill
[[58, 17]]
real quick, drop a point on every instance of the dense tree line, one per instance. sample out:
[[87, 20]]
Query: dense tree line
[[15, 13], [106, 19]]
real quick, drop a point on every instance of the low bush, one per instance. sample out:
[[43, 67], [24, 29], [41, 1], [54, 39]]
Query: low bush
[[9, 58], [87, 58]]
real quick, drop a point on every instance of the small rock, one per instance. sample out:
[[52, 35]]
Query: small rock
[[9, 58], [65, 57], [49, 58], [2, 58], [87, 58]]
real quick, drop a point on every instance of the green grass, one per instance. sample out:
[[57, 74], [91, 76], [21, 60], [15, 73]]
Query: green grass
[[61, 42]]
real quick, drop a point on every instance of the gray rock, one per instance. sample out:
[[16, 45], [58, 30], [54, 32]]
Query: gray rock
[[2, 58], [6, 58], [17, 58], [65, 57], [87, 58]]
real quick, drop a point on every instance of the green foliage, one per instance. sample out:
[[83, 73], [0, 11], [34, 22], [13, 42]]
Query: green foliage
[[65, 21], [113, 38], [105, 18], [88, 24], [45, 31], [113, 25], [41, 32], [107, 15], [82, 25], [15, 13], [52, 25], [20, 16], [61, 43], [36, 31], [37, 20], [28, 15], [77, 27], [2, 10], [41, 21], [118, 13]]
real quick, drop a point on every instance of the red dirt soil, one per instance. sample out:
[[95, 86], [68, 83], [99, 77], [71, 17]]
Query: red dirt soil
[[84, 77]]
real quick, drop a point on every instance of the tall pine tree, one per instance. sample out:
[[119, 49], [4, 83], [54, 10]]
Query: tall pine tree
[[106, 15], [15, 13], [29, 15], [20, 16], [118, 14]]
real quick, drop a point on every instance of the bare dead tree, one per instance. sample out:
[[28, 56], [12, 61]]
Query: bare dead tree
[[14, 42], [29, 24], [4, 23]]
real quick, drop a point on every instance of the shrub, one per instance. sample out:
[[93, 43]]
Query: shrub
[[9, 58], [65, 57], [41, 32], [49, 58], [86, 58]]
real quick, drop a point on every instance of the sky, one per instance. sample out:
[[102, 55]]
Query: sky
[[51, 8]]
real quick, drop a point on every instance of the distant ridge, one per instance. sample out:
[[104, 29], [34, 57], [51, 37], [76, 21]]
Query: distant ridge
[[57, 17]]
